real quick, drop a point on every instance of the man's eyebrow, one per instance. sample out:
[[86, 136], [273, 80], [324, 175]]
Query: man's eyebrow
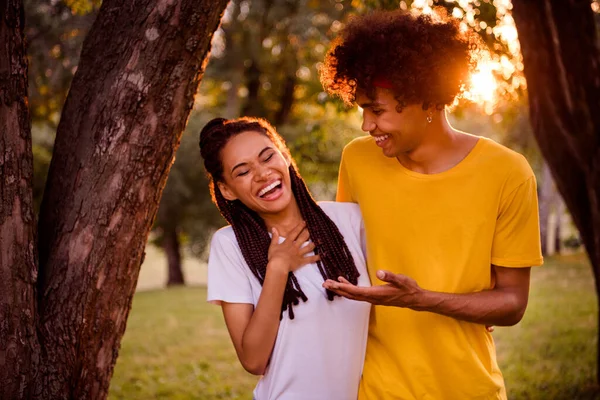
[[372, 104]]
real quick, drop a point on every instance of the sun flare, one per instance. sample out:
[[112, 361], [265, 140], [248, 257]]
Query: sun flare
[[483, 86]]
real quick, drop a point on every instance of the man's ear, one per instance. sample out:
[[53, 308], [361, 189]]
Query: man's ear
[[226, 192]]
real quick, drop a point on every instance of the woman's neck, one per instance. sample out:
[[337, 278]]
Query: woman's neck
[[285, 220]]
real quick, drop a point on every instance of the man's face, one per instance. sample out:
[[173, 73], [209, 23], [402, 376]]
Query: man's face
[[395, 132]]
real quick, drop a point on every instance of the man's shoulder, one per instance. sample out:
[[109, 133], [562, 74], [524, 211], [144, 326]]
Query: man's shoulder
[[506, 159], [359, 145]]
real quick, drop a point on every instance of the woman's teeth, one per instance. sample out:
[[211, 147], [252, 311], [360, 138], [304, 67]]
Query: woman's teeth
[[380, 139], [267, 189]]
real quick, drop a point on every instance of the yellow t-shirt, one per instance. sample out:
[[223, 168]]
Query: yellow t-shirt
[[444, 230]]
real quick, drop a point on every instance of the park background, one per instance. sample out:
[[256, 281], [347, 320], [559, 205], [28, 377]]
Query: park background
[[264, 62]]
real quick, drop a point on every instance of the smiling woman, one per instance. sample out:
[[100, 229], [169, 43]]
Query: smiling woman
[[280, 248]]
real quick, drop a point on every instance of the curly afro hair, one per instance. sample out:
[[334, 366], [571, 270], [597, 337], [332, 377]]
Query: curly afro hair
[[426, 59]]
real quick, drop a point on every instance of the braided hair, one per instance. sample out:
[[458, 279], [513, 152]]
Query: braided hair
[[250, 229]]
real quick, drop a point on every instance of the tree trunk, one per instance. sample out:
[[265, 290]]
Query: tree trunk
[[286, 99], [140, 67], [19, 349], [562, 67], [560, 217], [545, 193], [172, 249], [252, 77]]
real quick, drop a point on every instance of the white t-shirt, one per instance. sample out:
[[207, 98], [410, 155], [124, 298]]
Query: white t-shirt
[[319, 354]]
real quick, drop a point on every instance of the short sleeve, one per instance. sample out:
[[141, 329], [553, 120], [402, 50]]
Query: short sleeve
[[517, 236], [344, 191], [227, 277]]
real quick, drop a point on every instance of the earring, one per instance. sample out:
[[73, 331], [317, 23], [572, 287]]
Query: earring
[[429, 118]]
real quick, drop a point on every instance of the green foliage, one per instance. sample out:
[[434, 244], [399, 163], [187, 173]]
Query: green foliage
[[55, 34], [83, 7], [176, 345], [186, 204], [264, 62]]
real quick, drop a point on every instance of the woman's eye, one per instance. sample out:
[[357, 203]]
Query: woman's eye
[[377, 112], [268, 158], [243, 173]]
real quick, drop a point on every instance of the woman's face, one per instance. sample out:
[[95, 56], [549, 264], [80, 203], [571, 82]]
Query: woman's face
[[256, 173]]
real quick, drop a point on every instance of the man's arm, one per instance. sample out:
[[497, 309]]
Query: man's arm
[[503, 305]]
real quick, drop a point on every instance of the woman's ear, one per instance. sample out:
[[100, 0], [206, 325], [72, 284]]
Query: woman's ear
[[226, 192]]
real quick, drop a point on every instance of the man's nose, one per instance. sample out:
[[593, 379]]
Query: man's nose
[[368, 125]]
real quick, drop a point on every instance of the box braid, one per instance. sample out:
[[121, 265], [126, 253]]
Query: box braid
[[249, 228]]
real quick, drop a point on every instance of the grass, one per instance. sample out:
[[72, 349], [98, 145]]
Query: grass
[[551, 354], [177, 347]]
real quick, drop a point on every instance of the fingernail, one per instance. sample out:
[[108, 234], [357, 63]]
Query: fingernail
[[380, 274]]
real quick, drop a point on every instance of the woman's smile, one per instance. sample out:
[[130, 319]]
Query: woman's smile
[[271, 191]]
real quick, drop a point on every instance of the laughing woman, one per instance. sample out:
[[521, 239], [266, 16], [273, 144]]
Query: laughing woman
[[267, 268]]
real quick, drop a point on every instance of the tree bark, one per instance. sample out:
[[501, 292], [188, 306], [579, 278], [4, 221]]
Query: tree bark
[[172, 249], [545, 194], [19, 349], [139, 70], [562, 67]]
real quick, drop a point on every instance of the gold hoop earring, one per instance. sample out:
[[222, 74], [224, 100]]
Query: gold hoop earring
[[429, 118]]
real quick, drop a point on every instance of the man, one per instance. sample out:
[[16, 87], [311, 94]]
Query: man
[[451, 218]]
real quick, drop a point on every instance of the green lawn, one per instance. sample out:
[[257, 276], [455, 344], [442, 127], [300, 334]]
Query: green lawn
[[176, 345]]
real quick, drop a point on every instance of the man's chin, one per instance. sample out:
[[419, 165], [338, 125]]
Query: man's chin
[[390, 153]]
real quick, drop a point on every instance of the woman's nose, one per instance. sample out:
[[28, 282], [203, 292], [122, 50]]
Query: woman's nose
[[263, 173]]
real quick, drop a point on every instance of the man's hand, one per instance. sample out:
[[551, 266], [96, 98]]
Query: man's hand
[[502, 305], [400, 290]]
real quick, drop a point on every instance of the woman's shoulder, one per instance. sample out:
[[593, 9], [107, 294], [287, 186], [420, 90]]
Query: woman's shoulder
[[224, 235]]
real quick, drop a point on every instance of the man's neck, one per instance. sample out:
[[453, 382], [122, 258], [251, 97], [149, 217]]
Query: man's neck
[[441, 148]]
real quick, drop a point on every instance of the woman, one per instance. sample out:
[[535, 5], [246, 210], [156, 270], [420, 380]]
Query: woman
[[267, 275]]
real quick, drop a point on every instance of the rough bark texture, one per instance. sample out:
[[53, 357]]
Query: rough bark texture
[[172, 249], [19, 350], [562, 66], [121, 125]]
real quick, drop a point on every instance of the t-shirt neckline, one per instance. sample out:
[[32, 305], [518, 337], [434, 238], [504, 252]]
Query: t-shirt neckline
[[452, 170]]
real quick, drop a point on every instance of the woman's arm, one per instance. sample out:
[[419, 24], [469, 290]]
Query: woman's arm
[[253, 330]]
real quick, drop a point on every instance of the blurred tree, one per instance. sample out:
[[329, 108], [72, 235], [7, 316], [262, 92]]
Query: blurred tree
[[186, 212], [54, 34], [559, 41], [63, 316], [55, 31], [263, 63], [271, 49]]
